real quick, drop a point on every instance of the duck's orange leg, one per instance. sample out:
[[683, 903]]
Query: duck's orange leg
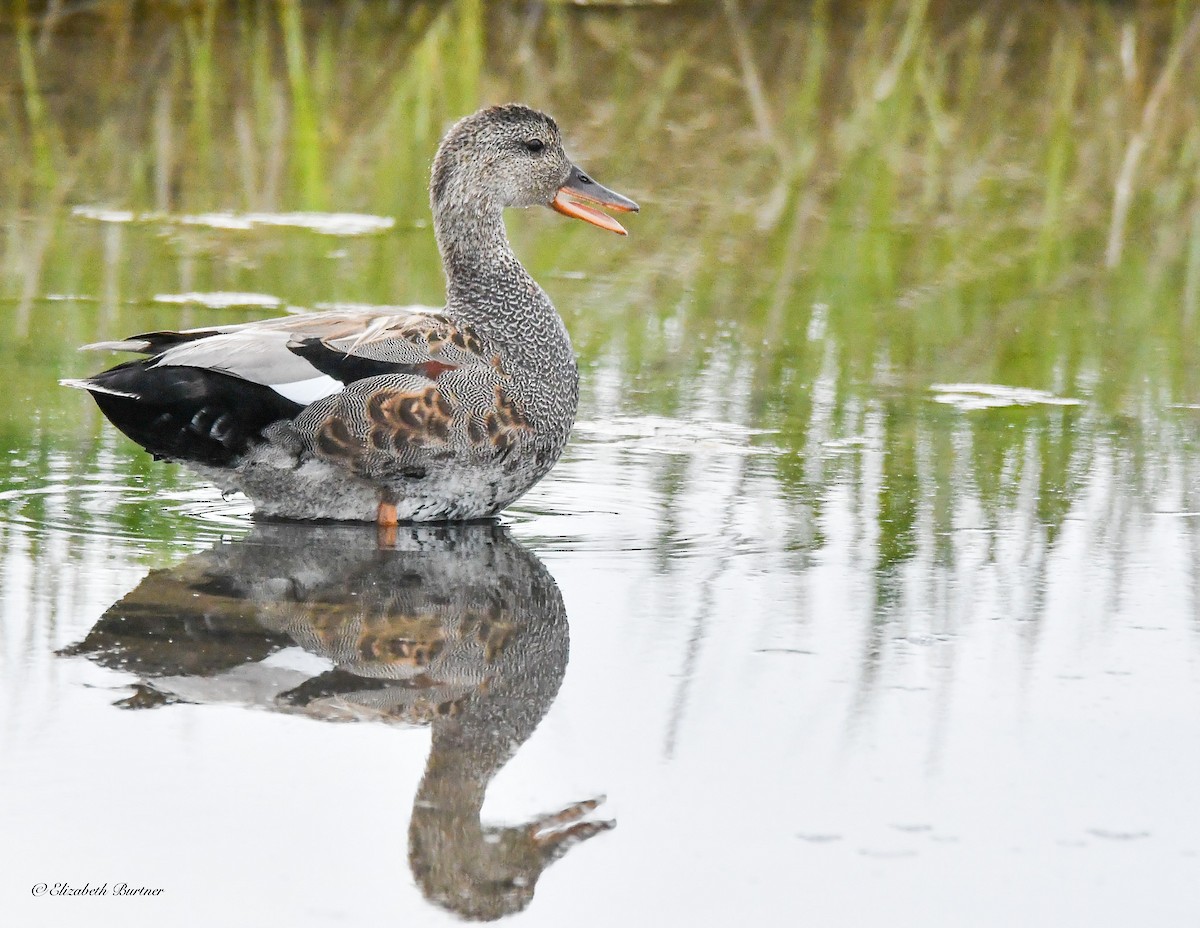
[[387, 520]]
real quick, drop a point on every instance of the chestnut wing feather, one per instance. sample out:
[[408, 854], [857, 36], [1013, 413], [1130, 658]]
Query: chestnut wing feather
[[420, 389], [393, 426]]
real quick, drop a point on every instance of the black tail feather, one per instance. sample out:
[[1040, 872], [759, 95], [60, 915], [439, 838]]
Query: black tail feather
[[341, 365], [188, 413], [158, 342]]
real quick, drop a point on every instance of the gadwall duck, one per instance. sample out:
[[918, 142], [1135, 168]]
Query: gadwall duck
[[387, 415]]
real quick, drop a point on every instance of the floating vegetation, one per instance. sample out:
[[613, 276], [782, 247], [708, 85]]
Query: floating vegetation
[[221, 300], [968, 396], [325, 223]]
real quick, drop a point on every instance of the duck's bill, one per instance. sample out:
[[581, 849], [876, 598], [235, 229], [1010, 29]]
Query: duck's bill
[[577, 197]]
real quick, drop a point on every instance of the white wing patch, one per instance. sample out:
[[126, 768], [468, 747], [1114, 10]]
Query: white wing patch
[[308, 391]]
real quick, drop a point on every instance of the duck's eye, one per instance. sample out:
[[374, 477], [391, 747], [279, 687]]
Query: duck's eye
[[534, 145]]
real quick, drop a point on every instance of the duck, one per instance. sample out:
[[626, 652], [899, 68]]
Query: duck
[[387, 415]]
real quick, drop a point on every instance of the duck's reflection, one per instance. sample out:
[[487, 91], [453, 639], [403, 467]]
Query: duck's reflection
[[457, 627]]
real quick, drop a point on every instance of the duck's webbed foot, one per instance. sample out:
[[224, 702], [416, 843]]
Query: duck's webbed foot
[[554, 840]]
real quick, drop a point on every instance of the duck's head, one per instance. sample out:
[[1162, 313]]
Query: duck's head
[[513, 156]]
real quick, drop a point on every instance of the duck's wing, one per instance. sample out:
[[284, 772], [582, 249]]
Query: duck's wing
[[207, 395], [308, 356]]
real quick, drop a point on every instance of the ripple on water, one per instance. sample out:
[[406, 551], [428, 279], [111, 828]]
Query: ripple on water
[[592, 502], [90, 506], [676, 436], [600, 502], [1111, 835]]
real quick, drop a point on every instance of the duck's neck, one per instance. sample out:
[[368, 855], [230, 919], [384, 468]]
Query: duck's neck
[[487, 287], [485, 283], [472, 241]]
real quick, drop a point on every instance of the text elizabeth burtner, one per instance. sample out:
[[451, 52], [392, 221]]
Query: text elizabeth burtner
[[87, 889]]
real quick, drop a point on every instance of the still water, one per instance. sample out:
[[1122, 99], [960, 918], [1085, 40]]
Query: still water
[[867, 592]]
